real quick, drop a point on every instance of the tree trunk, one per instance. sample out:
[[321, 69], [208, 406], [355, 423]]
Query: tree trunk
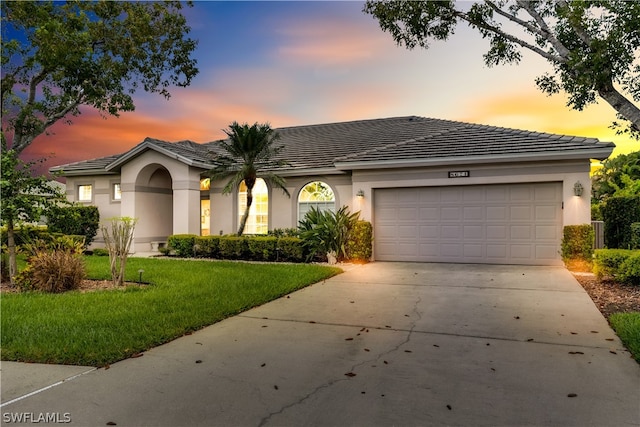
[[621, 104], [11, 243], [245, 216]]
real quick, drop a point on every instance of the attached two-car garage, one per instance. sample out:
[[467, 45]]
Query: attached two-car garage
[[493, 224]]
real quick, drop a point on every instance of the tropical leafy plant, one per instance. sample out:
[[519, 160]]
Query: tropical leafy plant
[[327, 232]]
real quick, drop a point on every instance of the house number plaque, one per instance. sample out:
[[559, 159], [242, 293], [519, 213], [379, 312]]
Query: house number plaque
[[458, 174]]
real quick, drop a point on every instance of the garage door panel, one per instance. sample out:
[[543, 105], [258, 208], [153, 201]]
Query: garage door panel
[[504, 223], [520, 213]]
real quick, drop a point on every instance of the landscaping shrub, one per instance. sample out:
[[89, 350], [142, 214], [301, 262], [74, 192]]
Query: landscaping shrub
[[100, 252], [359, 246], [577, 242], [327, 232], [630, 269], [262, 248], [207, 246], [291, 249], [182, 244], [618, 214], [233, 247], [55, 266], [635, 235], [607, 262], [26, 234], [77, 220]]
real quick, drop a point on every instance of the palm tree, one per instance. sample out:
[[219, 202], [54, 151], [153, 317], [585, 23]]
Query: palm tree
[[249, 151]]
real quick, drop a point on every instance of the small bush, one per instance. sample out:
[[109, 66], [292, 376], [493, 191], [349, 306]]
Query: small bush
[[182, 244], [233, 247], [262, 248], [630, 269], [54, 266], [207, 246], [290, 249], [326, 231], [607, 262], [359, 246], [100, 252], [577, 242]]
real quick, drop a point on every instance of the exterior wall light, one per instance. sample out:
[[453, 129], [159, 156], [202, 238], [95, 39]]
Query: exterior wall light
[[360, 194], [578, 189]]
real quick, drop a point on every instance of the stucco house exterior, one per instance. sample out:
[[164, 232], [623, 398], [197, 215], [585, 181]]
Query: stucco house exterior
[[434, 190]]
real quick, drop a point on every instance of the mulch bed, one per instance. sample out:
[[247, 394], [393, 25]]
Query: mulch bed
[[87, 286], [609, 296]]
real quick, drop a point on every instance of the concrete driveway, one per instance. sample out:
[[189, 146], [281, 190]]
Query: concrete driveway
[[389, 344]]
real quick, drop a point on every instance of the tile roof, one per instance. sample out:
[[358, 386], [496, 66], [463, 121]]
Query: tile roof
[[377, 141]]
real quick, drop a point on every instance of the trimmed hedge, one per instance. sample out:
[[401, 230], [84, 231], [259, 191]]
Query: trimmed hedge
[[251, 248], [618, 215], [359, 246], [75, 220], [609, 262], [577, 242], [182, 244], [630, 269], [635, 235]]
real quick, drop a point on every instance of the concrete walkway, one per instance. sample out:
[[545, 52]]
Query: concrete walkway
[[382, 344]]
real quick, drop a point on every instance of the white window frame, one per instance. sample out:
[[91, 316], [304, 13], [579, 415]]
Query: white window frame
[[259, 208], [80, 193], [319, 204]]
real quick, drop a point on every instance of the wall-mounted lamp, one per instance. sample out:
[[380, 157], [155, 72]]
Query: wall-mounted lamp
[[360, 194], [578, 189]]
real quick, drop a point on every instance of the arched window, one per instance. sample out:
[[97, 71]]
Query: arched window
[[316, 194], [258, 221]]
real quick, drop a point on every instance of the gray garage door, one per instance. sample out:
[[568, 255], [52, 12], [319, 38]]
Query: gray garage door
[[494, 224]]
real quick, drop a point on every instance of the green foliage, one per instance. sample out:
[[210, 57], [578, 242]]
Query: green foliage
[[87, 53], [254, 248], [24, 197], [359, 246], [291, 249], [207, 246], [591, 45], [577, 242], [618, 215], [249, 153], [77, 219], [325, 232], [182, 244], [630, 269], [262, 248], [100, 252], [233, 247], [634, 239], [618, 176], [607, 262], [627, 327]]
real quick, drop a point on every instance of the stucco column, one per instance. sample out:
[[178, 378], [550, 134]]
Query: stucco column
[[186, 207]]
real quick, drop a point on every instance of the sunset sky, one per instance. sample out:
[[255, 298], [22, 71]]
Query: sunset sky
[[297, 63]]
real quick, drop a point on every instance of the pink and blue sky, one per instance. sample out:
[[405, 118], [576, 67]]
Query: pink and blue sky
[[297, 63]]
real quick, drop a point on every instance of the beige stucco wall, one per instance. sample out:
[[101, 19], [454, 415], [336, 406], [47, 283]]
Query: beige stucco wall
[[577, 210], [283, 210]]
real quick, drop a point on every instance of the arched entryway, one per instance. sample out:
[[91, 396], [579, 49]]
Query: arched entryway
[[153, 206]]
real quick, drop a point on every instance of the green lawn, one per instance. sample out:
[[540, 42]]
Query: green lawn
[[98, 328], [627, 326]]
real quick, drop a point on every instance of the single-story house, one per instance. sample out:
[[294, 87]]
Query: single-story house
[[434, 190]]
